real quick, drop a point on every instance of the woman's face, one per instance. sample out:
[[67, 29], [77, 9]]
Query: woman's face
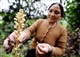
[[54, 13]]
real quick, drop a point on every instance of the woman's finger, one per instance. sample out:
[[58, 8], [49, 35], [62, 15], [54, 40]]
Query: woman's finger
[[22, 37], [7, 47], [11, 37], [38, 50], [42, 49]]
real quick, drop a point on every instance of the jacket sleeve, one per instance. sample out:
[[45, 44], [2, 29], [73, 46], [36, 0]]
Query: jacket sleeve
[[59, 49], [30, 30]]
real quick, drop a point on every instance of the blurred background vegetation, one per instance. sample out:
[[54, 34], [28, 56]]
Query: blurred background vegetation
[[33, 11]]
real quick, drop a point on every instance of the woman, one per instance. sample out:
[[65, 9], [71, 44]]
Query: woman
[[50, 37]]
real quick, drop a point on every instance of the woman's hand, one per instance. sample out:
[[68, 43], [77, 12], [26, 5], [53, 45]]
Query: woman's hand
[[43, 48], [11, 39], [7, 43], [23, 37], [7, 47]]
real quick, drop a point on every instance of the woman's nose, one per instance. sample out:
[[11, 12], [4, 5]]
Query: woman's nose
[[52, 14]]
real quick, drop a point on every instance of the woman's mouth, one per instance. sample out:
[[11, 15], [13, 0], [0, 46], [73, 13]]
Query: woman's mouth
[[51, 18]]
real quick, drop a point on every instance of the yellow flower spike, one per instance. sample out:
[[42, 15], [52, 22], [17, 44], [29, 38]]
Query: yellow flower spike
[[15, 19], [24, 15], [23, 24], [15, 22], [16, 36], [23, 19], [18, 54], [19, 45], [15, 27], [21, 11], [17, 14], [12, 44], [18, 20], [15, 49], [20, 32], [16, 32]]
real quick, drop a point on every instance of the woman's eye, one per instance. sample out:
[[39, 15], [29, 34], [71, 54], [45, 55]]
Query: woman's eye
[[56, 12], [50, 10]]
